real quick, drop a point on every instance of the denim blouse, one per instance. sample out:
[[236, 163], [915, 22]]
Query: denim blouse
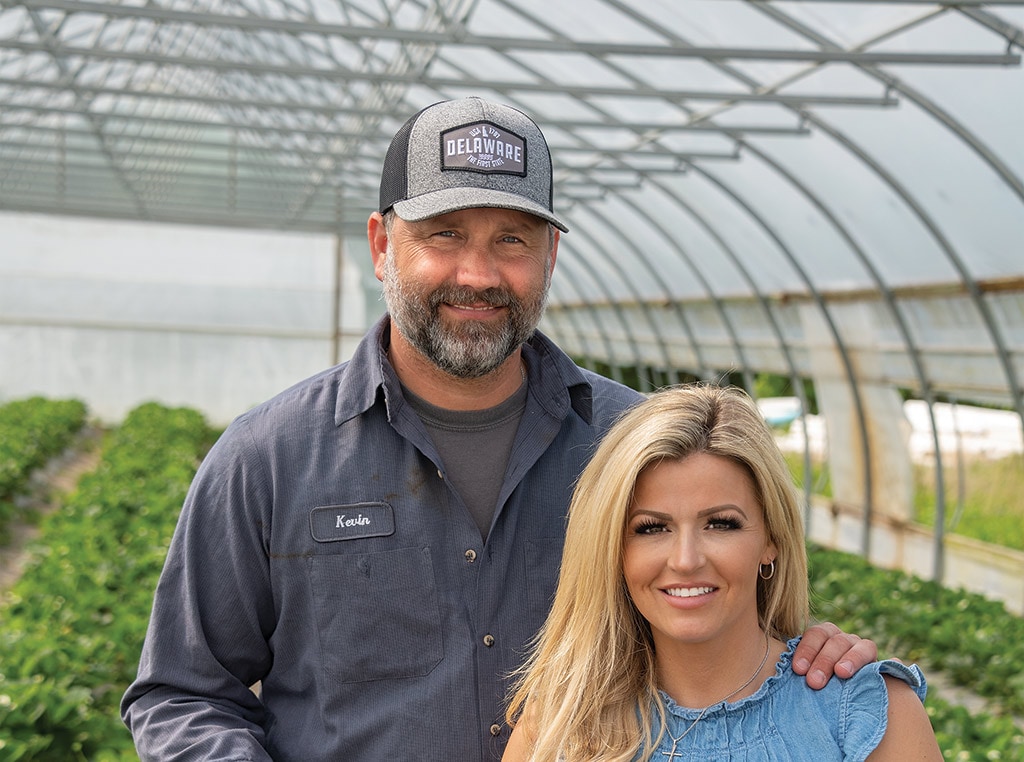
[[787, 720]]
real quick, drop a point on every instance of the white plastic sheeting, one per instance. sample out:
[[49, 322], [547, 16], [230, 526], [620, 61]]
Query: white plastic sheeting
[[119, 314]]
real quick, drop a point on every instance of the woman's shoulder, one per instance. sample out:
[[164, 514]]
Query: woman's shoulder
[[855, 707], [866, 684]]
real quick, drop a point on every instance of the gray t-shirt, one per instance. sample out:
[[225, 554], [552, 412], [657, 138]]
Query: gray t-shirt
[[474, 446]]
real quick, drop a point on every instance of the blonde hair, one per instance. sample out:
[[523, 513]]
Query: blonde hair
[[588, 687]]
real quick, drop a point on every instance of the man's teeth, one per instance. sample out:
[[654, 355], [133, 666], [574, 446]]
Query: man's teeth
[[689, 592]]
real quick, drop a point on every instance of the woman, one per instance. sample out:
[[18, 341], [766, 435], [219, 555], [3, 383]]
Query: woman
[[682, 592]]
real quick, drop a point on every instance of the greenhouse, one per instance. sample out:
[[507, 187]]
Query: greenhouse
[[820, 201]]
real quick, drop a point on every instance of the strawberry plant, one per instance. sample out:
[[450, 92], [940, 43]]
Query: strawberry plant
[[976, 642], [32, 431], [73, 624], [967, 737]]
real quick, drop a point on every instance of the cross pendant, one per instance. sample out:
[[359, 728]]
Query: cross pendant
[[671, 754]]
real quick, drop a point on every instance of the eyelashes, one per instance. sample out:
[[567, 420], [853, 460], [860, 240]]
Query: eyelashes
[[653, 526], [648, 526]]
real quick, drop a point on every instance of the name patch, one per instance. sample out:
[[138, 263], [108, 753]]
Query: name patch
[[483, 147], [332, 523]]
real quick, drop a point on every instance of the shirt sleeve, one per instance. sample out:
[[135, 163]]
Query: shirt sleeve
[[207, 637], [865, 706]]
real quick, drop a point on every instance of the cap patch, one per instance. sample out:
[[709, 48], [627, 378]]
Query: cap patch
[[483, 147]]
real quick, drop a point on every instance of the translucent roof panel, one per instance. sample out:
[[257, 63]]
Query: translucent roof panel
[[732, 167]]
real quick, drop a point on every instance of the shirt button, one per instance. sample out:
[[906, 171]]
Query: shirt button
[[470, 555], [488, 640], [495, 729]]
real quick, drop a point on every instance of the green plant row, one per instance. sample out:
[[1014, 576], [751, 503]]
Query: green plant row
[[73, 625], [975, 641], [967, 737], [32, 431]]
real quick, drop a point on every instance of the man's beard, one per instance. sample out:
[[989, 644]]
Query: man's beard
[[470, 348]]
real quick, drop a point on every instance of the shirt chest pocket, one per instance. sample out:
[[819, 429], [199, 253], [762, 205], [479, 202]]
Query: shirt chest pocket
[[377, 614]]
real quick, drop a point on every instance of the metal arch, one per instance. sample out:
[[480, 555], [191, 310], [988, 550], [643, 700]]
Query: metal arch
[[912, 349], [613, 361], [680, 312], [840, 345], [988, 156], [844, 354], [755, 289], [652, 270], [46, 41], [969, 281], [351, 75], [465, 38], [641, 302], [413, 59], [615, 307], [798, 385], [588, 359]]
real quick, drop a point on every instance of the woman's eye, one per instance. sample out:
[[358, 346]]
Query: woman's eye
[[650, 527], [724, 523]]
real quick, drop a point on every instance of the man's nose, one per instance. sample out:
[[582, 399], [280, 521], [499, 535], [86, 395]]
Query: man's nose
[[478, 267]]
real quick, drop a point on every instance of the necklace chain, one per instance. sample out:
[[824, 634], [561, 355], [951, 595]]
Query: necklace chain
[[675, 741]]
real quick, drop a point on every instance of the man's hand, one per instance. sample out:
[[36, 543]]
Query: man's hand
[[826, 650]]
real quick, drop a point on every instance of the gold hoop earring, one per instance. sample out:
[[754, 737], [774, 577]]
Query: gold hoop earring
[[771, 572]]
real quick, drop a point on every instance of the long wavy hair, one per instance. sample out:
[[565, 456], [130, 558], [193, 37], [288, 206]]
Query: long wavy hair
[[588, 688]]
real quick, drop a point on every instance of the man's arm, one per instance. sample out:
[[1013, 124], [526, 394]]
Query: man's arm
[[206, 644], [825, 650]]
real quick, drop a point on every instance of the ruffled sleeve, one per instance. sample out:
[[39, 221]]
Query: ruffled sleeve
[[865, 704]]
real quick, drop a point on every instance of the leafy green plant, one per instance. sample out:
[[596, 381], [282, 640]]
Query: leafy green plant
[[967, 737], [32, 431], [73, 624], [977, 642]]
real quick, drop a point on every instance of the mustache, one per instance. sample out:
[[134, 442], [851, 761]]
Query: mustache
[[492, 297]]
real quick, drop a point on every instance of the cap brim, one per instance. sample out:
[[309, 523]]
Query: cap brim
[[448, 200]]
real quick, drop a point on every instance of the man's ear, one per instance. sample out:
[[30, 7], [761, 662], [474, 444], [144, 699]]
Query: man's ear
[[377, 237], [554, 250]]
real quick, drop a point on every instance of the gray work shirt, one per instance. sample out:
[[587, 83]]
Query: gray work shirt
[[322, 552]]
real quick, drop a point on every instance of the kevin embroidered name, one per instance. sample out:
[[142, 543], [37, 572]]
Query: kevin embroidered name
[[358, 521]]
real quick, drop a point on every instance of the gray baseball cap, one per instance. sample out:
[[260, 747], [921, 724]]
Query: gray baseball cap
[[466, 154]]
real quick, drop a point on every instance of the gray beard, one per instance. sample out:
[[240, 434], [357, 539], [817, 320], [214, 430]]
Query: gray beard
[[471, 349]]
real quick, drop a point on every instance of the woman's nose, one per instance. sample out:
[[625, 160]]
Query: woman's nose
[[686, 553]]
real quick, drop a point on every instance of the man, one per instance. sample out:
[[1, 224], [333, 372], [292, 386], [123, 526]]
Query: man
[[377, 545]]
